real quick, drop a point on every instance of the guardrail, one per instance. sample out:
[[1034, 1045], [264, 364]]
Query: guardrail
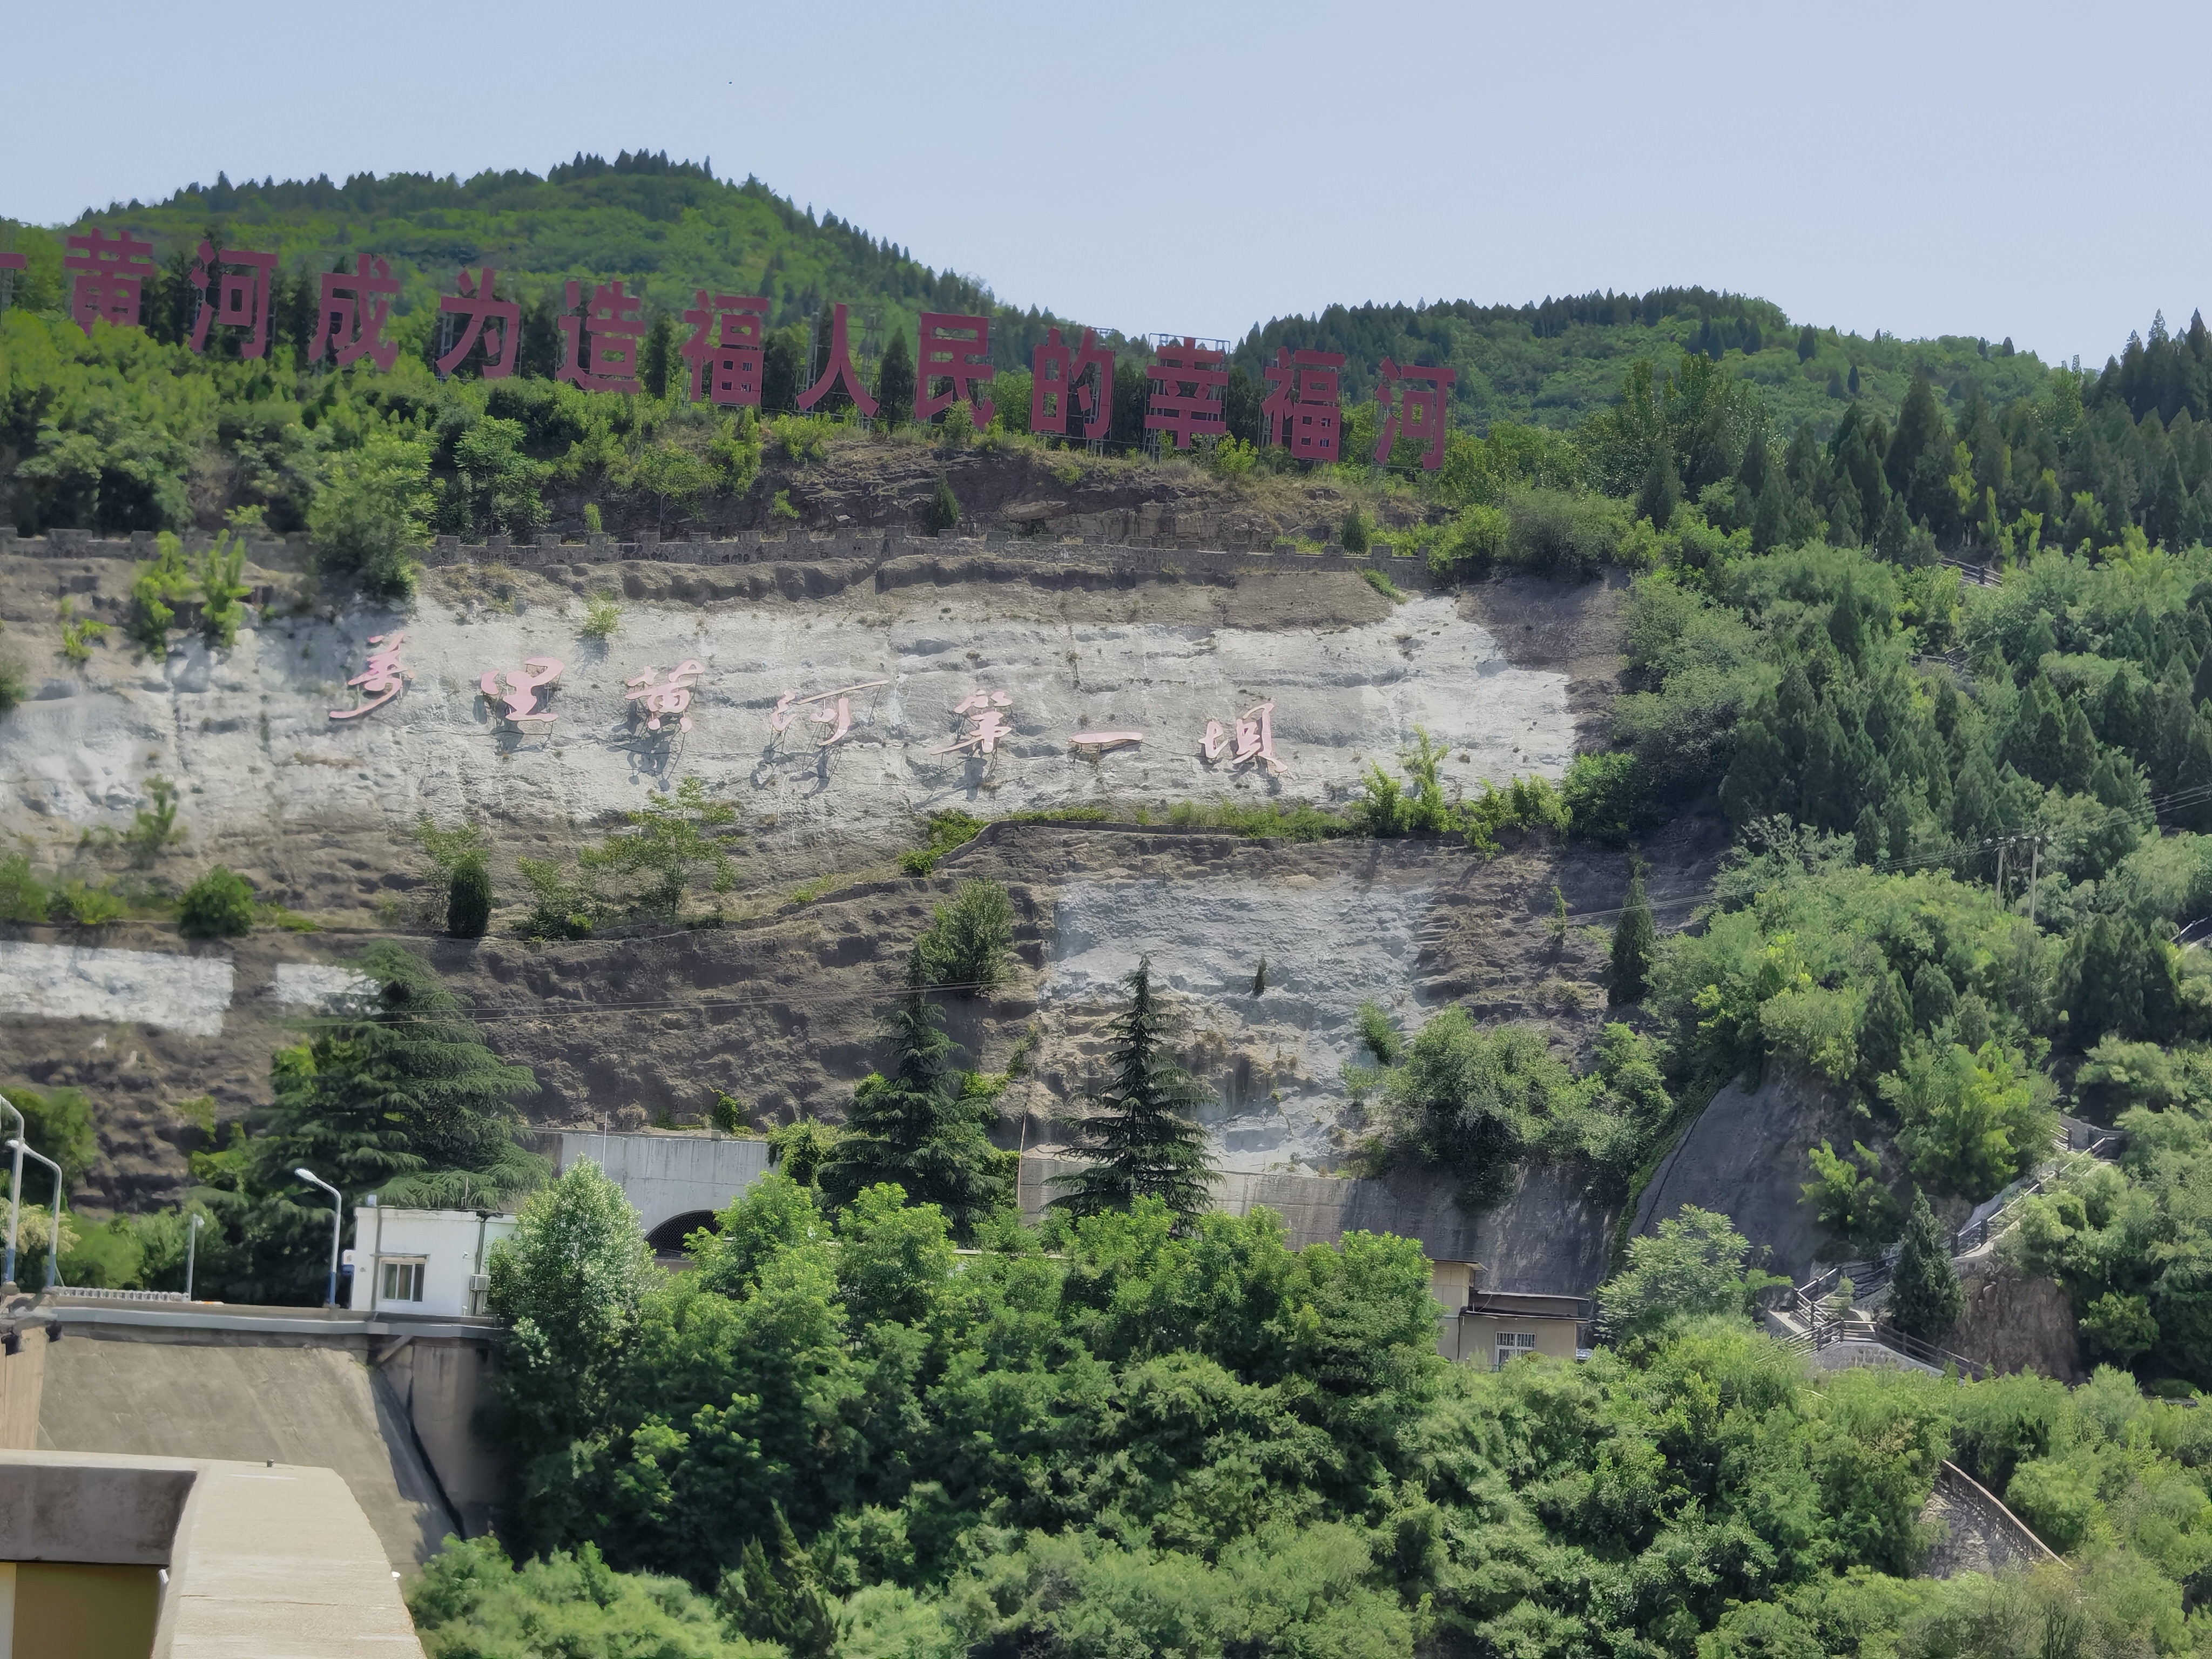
[[73, 1293]]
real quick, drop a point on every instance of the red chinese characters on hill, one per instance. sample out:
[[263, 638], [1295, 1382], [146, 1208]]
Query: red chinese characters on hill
[[241, 282], [612, 328], [841, 369], [109, 275], [476, 302], [728, 337], [1413, 406], [356, 306], [1300, 410], [1069, 385], [954, 351], [1190, 388]]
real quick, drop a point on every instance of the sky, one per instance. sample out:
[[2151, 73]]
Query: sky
[[2029, 170]]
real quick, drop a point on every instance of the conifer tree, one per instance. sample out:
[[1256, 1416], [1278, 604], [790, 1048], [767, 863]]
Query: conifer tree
[[942, 510], [916, 1123], [1924, 1295], [468, 899], [395, 1095], [1634, 939], [1934, 999], [894, 381], [1141, 1142], [1663, 488], [1883, 1030]]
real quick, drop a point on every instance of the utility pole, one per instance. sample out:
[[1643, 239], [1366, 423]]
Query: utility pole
[[2035, 863]]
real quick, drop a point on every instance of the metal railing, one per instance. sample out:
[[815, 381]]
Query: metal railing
[[75, 1293], [1826, 1330]]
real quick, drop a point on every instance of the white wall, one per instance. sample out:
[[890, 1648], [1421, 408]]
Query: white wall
[[666, 1175], [451, 1244]]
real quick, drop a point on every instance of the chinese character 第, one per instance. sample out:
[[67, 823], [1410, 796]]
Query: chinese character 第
[[986, 725]]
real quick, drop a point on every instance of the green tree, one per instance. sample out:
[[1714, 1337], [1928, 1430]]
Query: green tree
[[221, 583], [1635, 936], [219, 905], [894, 381], [156, 589], [568, 1283], [942, 511], [1693, 1266], [1853, 1209], [967, 943], [1139, 1138], [59, 1123], [371, 511], [468, 902], [656, 361], [1924, 1295], [917, 1124], [669, 836], [1972, 1122], [1662, 489]]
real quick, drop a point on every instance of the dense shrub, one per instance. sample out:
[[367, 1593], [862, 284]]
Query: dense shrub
[[219, 905]]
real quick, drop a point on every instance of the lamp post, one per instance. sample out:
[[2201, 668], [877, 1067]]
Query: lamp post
[[54, 1244], [337, 1221], [14, 1200], [192, 1249]]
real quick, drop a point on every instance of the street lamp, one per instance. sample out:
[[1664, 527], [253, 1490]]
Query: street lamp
[[15, 1200], [53, 1245], [192, 1249], [337, 1221]]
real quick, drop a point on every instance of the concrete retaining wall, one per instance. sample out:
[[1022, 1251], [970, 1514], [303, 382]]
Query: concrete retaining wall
[[666, 1176]]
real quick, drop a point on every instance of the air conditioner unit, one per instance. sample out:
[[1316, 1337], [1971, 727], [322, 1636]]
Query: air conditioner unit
[[478, 1283]]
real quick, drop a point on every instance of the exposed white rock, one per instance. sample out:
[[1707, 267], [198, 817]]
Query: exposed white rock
[[1274, 1059], [248, 735], [150, 987], [314, 983]]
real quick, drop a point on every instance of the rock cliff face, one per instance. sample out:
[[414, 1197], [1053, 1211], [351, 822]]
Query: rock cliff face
[[2013, 1323], [1745, 1155], [780, 1003]]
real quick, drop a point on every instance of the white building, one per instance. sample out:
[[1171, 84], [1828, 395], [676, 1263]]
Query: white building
[[421, 1261]]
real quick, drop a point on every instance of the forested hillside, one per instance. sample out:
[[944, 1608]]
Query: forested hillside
[[1917, 665]]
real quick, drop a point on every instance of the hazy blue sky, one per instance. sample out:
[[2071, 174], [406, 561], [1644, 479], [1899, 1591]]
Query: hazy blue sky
[[2030, 169]]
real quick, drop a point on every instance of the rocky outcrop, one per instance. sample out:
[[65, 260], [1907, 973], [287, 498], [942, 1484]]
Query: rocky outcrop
[[2011, 1322], [1745, 1156]]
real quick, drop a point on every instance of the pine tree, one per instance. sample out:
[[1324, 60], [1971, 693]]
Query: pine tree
[[1924, 1295], [657, 360], [1634, 939], [1808, 342], [396, 1094], [916, 1123], [1934, 999], [942, 511], [1866, 835], [782, 1603], [468, 899], [1882, 1030], [1141, 1142], [1662, 489], [894, 381]]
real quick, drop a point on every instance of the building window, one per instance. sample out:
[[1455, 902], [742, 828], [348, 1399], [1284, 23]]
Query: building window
[[1511, 1344], [403, 1282]]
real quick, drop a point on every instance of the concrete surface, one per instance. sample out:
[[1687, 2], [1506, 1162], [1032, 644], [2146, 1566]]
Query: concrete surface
[[250, 1404], [665, 1176], [114, 1514], [266, 1560]]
